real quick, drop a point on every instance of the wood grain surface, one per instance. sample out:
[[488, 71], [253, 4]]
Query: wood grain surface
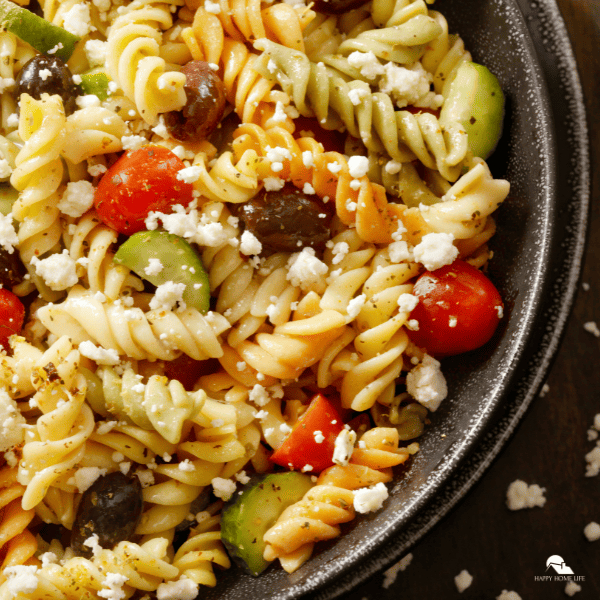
[[506, 550]]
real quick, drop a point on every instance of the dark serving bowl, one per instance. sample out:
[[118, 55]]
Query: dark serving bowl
[[537, 256]]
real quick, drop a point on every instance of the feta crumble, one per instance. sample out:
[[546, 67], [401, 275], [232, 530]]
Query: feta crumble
[[77, 198], [426, 383], [182, 589], [519, 495], [167, 296], [436, 250], [305, 270], [154, 267], [223, 488], [463, 580], [343, 447], [250, 244], [101, 356], [572, 588], [58, 270], [592, 531], [8, 236], [389, 576], [370, 499], [11, 422]]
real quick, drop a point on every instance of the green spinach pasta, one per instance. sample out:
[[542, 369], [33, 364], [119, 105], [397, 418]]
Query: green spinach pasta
[[236, 237]]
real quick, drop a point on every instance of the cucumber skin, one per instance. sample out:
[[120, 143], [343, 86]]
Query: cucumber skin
[[242, 509], [37, 32], [156, 244], [96, 84]]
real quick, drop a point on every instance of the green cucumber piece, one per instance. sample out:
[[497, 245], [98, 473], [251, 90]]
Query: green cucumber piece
[[476, 101], [95, 82], [247, 516], [37, 32], [8, 195], [174, 253]]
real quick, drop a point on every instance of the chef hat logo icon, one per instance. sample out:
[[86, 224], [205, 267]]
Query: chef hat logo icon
[[559, 565]]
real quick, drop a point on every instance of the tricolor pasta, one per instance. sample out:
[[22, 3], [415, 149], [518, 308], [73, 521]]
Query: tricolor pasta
[[231, 234]]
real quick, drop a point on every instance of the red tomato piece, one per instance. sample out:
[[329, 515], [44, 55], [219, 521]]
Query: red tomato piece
[[12, 315], [187, 370], [301, 448], [141, 181], [333, 141], [459, 309]]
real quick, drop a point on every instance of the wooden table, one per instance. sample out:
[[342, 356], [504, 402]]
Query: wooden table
[[502, 549]]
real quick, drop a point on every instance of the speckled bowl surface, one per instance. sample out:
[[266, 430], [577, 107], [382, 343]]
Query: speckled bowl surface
[[537, 257]]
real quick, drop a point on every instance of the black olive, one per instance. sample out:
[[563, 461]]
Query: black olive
[[205, 104], [286, 220], [337, 7], [49, 75], [111, 508], [12, 269]]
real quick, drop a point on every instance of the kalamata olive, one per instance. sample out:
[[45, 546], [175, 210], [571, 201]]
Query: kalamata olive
[[111, 508], [204, 107], [50, 75], [337, 7], [286, 220], [12, 269]]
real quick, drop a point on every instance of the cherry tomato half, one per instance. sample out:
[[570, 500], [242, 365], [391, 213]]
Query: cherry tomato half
[[141, 181], [304, 446], [12, 314], [459, 309]]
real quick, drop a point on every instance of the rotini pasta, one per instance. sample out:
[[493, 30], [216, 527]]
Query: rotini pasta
[[232, 234]]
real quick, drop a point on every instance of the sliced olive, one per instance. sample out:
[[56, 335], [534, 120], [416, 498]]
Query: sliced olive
[[205, 104], [12, 269], [50, 75], [337, 7], [287, 220], [111, 508]]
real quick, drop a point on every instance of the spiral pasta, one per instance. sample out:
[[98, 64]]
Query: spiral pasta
[[330, 502], [132, 331], [133, 59]]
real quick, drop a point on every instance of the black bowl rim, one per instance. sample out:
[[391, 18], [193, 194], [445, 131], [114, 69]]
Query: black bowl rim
[[558, 69]]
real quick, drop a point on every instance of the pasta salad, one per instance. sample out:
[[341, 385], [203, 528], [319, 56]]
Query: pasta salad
[[236, 237]]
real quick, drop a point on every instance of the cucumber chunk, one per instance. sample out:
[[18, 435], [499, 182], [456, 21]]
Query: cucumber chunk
[[95, 82], [476, 101], [8, 195], [37, 32], [180, 264], [247, 516]]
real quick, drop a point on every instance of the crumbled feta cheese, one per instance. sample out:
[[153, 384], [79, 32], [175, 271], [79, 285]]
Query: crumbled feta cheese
[[366, 63], [279, 116], [133, 142], [182, 589], [426, 383], [358, 166], [273, 184], [343, 447], [21, 579], [355, 306], [463, 580], [593, 462], [87, 100], [223, 488], [212, 7], [146, 477], [261, 415], [77, 20], [242, 477], [167, 296], [334, 167], [339, 251], [389, 576], [85, 477], [77, 198], [189, 174], [400, 251], [98, 169], [305, 270], [407, 302], [11, 422], [436, 250], [250, 244], [308, 160], [13, 120], [409, 86], [545, 389], [101, 356], [506, 595], [58, 270], [356, 95], [572, 588], [592, 327], [258, 394], [154, 267], [393, 167], [95, 51], [93, 542], [186, 465], [309, 190], [114, 586], [592, 531], [276, 156], [370, 499], [105, 427], [8, 236], [519, 495], [319, 437]]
